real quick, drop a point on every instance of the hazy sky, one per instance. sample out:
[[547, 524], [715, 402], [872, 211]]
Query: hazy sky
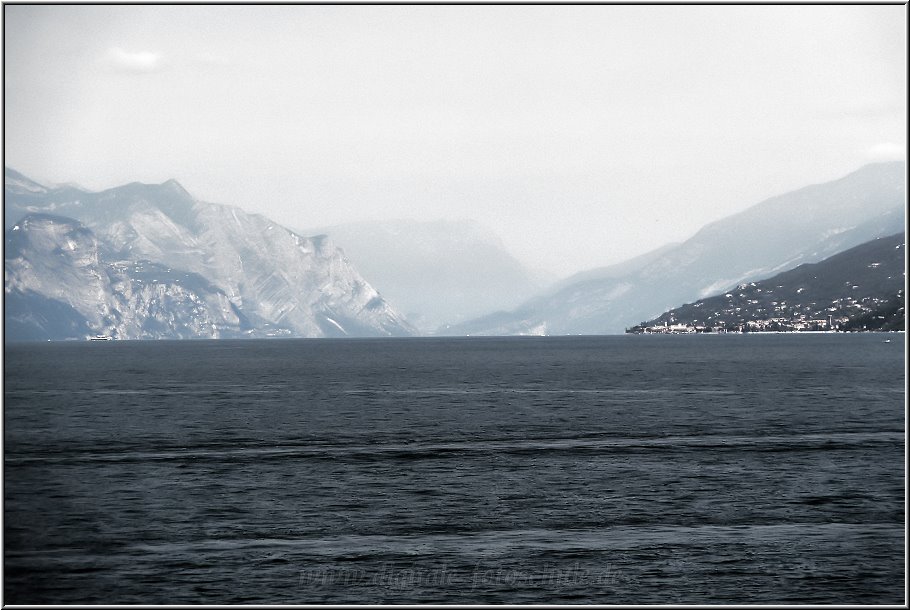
[[582, 135]]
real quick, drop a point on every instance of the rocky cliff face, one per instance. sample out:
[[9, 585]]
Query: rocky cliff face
[[58, 286], [149, 261]]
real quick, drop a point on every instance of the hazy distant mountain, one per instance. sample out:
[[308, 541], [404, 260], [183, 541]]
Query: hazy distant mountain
[[437, 272], [281, 283], [844, 287], [779, 233], [617, 270]]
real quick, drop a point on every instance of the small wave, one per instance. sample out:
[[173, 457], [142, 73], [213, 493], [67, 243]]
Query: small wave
[[492, 542], [616, 392], [435, 450]]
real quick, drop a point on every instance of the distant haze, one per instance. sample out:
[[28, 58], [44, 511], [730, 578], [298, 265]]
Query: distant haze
[[581, 135]]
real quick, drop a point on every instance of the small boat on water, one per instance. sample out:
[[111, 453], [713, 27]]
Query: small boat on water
[[101, 338]]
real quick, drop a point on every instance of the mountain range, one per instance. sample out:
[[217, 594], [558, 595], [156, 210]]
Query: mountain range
[[437, 272], [150, 261], [780, 233], [828, 295]]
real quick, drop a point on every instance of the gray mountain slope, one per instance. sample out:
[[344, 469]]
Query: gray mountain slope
[[779, 233], [285, 284], [844, 286], [58, 286], [618, 270], [437, 272]]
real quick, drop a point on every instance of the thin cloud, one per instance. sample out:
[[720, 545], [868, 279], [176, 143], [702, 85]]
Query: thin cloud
[[126, 61], [886, 151], [211, 59]]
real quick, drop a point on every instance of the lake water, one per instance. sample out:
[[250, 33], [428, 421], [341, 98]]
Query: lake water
[[625, 469]]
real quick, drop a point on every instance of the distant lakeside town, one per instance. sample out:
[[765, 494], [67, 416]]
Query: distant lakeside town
[[744, 315], [871, 315], [758, 326]]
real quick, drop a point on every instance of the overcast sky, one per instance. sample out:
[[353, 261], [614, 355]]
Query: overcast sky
[[582, 135]]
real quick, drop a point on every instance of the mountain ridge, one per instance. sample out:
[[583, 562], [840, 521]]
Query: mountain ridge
[[827, 295], [284, 284], [436, 271], [780, 232]]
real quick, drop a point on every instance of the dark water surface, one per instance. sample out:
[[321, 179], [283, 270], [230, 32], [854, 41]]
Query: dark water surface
[[632, 469]]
